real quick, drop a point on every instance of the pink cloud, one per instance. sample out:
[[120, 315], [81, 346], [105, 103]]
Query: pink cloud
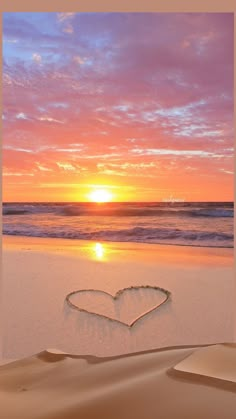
[[164, 81]]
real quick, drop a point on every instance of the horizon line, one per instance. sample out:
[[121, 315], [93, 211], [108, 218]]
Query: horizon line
[[112, 202]]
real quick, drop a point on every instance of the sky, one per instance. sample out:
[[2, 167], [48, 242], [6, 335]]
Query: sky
[[140, 104]]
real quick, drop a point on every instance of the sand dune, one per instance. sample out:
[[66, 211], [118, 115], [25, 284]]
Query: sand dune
[[143, 385]]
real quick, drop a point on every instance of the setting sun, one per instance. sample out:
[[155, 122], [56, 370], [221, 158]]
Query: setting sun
[[100, 195]]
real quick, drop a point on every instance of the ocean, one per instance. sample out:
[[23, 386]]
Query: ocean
[[178, 223]]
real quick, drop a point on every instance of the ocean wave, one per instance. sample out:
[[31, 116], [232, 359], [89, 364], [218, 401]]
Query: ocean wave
[[213, 213], [136, 234], [19, 209], [12, 211], [118, 210], [114, 212]]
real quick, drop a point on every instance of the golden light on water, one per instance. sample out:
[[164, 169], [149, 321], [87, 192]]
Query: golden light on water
[[99, 250]]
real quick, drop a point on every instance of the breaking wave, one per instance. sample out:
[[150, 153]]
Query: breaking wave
[[136, 234], [119, 210], [191, 224]]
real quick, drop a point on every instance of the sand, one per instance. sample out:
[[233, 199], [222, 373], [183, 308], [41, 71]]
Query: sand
[[39, 272], [138, 386], [108, 370], [217, 361]]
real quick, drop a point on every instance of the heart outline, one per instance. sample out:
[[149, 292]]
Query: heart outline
[[115, 297]]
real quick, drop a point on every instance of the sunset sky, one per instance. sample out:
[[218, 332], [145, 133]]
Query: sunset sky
[[140, 104]]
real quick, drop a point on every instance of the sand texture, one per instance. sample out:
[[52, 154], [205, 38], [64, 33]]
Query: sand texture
[[142, 385], [39, 273]]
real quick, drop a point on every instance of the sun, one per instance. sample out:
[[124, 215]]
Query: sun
[[100, 195]]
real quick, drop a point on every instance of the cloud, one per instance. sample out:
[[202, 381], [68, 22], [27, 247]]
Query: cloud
[[65, 16], [79, 60], [228, 172], [68, 29], [43, 168], [65, 19], [17, 174], [166, 152], [119, 89], [49, 119], [66, 166], [11, 41], [37, 58], [21, 115]]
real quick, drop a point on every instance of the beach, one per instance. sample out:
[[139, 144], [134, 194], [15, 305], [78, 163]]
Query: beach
[[38, 273], [118, 289]]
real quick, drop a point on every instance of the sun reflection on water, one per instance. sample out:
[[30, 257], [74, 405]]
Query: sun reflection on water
[[99, 250], [102, 252]]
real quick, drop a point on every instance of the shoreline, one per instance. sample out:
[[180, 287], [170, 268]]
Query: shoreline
[[119, 242], [15, 241]]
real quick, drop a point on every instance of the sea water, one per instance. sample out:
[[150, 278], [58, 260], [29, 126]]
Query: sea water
[[179, 223]]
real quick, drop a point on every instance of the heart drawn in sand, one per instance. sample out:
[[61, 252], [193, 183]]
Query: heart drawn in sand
[[78, 306]]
